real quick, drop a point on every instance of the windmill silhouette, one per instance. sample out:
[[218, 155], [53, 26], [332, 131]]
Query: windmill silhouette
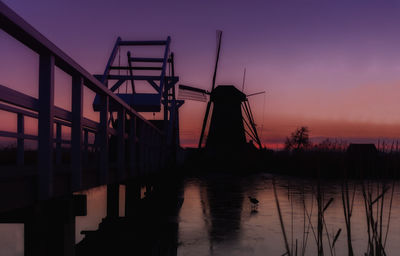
[[231, 119]]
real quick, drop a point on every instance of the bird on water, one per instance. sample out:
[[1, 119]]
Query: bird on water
[[254, 202]]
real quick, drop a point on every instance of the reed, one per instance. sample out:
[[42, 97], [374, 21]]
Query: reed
[[348, 211], [320, 233], [374, 204], [378, 199], [288, 252]]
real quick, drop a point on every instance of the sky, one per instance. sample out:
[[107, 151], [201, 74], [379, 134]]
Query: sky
[[333, 66]]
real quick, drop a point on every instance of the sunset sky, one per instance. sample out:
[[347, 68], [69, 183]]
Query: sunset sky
[[333, 66]]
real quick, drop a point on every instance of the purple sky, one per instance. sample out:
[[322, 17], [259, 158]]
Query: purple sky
[[331, 65]]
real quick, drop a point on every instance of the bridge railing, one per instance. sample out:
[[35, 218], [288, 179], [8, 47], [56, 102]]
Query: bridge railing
[[143, 140]]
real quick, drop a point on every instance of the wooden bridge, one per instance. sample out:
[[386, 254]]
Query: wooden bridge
[[142, 148]]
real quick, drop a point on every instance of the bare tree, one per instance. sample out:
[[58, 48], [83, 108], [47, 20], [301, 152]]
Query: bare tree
[[298, 140]]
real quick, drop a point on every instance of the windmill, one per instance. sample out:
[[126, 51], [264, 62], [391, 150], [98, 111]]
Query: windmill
[[231, 118]]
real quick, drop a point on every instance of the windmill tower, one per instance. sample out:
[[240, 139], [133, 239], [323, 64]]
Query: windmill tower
[[226, 127], [231, 118]]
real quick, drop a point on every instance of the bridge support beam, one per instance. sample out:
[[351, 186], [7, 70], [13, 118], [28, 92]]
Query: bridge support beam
[[50, 228], [113, 200], [46, 120], [132, 197]]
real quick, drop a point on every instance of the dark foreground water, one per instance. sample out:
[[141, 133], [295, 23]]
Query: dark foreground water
[[217, 218]]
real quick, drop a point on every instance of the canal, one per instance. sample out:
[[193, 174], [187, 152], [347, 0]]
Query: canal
[[216, 217]]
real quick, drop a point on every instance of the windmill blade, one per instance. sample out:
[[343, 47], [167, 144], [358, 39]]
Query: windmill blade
[[219, 39], [190, 88], [253, 94], [203, 128], [251, 125], [244, 79], [192, 93]]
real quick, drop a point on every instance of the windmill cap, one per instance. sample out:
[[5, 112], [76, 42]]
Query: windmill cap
[[227, 93]]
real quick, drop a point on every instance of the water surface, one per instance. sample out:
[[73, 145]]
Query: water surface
[[217, 217]]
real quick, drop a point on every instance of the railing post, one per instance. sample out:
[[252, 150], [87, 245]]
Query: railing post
[[150, 149], [157, 150], [142, 149], [146, 149], [164, 151], [153, 151], [121, 144], [76, 132], [132, 146], [104, 139], [160, 151], [86, 146], [58, 143], [20, 140], [46, 120]]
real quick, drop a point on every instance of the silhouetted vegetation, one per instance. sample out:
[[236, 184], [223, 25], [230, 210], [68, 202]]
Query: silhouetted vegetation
[[298, 140], [335, 158], [378, 211]]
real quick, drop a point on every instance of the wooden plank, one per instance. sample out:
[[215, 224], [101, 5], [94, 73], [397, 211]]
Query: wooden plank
[[16, 135], [111, 60], [90, 124], [135, 68], [141, 59], [142, 43], [125, 77], [18, 99], [12, 109], [164, 65], [62, 114]]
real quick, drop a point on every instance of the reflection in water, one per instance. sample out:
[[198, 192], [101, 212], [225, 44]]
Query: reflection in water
[[217, 220], [150, 229], [222, 199], [11, 239], [96, 211]]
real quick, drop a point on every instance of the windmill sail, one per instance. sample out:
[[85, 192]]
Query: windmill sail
[[219, 38], [250, 125], [192, 93]]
